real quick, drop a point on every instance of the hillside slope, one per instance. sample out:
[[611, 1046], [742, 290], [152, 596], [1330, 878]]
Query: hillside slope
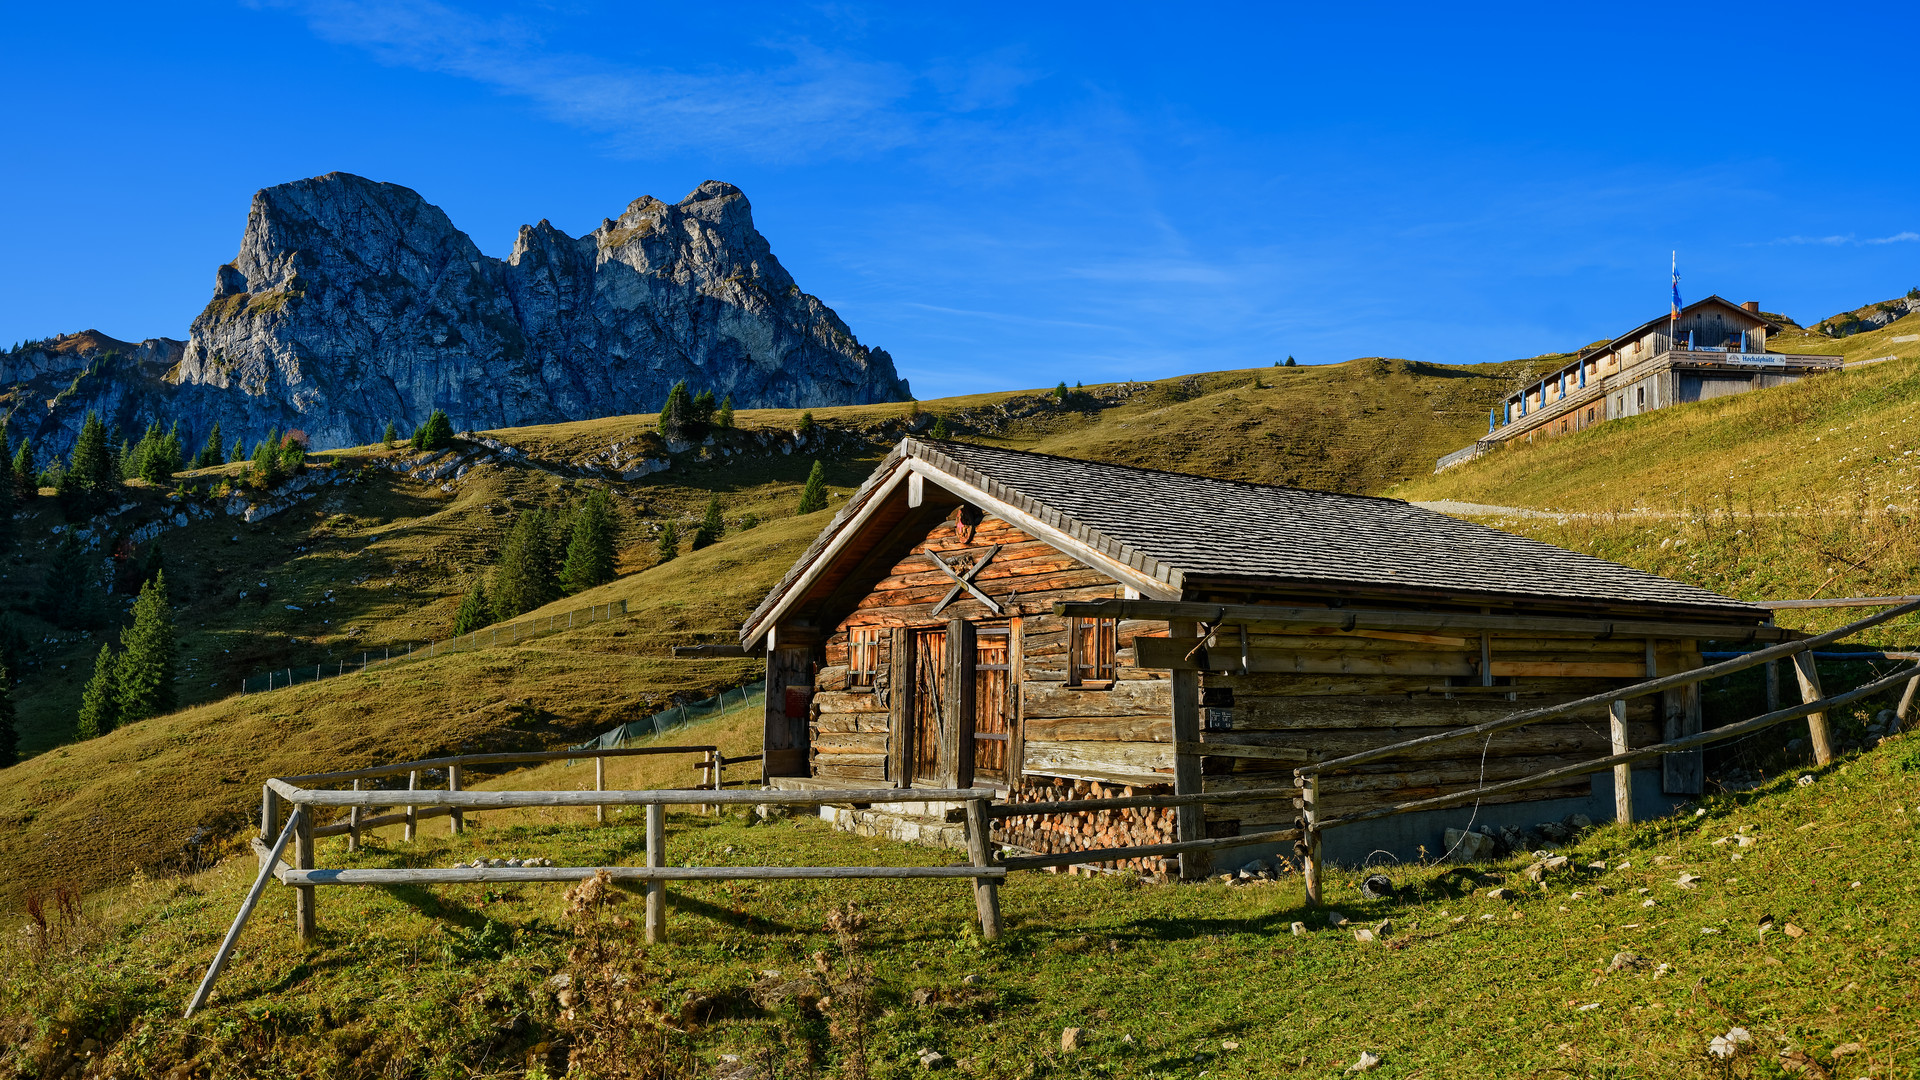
[[1655, 941]]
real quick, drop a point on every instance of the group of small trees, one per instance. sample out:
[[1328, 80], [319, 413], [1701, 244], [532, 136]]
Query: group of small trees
[[137, 681], [544, 559], [277, 457], [688, 416]]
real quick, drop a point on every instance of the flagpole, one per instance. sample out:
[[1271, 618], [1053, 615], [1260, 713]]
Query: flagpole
[[1673, 308]]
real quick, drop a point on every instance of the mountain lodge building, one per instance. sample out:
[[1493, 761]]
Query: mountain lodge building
[[1715, 348]]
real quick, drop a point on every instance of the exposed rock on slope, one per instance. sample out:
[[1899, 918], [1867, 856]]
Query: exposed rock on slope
[[353, 303]]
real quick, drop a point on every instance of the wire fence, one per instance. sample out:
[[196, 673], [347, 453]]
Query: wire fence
[[483, 638], [677, 717]]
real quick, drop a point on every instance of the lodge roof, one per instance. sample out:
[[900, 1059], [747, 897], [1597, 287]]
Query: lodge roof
[[1168, 528], [1712, 301]]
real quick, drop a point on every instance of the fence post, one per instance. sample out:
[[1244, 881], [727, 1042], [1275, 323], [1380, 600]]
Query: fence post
[[353, 824], [600, 784], [1310, 868], [1906, 703], [305, 924], [457, 822], [413, 812], [269, 813], [1809, 677], [656, 890], [1773, 685], [986, 891], [1190, 822], [1622, 774]]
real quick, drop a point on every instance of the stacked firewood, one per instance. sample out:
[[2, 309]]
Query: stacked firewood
[[1129, 827]]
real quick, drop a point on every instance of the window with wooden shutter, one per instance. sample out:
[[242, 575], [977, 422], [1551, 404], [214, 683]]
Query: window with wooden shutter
[[1090, 652], [863, 655]]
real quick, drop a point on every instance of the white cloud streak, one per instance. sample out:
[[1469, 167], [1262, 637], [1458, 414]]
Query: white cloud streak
[[1851, 240]]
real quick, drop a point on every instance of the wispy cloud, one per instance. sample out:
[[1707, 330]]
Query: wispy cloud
[[786, 98], [1850, 239]]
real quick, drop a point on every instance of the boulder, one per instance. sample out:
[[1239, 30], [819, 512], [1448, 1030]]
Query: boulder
[[1468, 847]]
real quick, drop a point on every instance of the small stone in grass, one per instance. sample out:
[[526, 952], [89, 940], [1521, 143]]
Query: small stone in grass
[[1624, 961], [1335, 919], [1299, 929], [1229, 1045], [1794, 931], [1071, 1038], [1368, 1060], [1363, 934], [1501, 894]]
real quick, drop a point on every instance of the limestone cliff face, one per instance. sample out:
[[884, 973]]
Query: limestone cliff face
[[353, 303]]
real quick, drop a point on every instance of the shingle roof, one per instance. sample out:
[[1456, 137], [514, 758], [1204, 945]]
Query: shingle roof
[[1171, 526]]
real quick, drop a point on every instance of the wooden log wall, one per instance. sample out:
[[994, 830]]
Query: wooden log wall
[[1071, 832], [1329, 692]]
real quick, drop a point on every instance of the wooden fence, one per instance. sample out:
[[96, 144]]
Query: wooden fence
[[1814, 706]]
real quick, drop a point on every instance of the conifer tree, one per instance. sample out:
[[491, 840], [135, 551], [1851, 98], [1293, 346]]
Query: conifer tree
[[940, 429], [389, 437], [589, 560], [703, 407], [100, 702], [474, 612], [91, 465], [807, 424], [238, 451], [1291, 362], [724, 417], [814, 495], [266, 471], [677, 414], [64, 598], [525, 580], [25, 482], [712, 526], [9, 735], [668, 543], [435, 434], [210, 455], [147, 656], [1060, 392], [153, 564]]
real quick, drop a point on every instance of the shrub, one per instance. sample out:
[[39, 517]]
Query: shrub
[[940, 429], [807, 424]]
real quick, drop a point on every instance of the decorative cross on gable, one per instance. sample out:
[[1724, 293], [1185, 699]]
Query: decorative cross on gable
[[965, 581]]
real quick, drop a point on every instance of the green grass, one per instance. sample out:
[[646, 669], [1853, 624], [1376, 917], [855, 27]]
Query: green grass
[[1168, 980]]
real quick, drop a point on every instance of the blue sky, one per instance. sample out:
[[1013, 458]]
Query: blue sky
[[1006, 196]]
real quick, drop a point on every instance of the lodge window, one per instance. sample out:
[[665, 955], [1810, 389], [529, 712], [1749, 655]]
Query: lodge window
[[1589, 416], [863, 655], [1091, 648]]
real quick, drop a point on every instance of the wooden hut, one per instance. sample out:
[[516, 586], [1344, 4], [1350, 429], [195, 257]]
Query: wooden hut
[[1066, 629]]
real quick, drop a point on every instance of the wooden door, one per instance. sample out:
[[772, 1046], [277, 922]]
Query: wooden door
[[929, 702], [992, 702]]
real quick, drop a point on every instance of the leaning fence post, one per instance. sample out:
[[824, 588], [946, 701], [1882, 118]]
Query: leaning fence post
[[1809, 677], [986, 890], [1906, 703], [1310, 865], [600, 784], [656, 889], [457, 822], [353, 824], [305, 924], [272, 859], [413, 811], [1623, 773]]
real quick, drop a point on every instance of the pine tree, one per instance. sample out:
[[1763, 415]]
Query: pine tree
[[210, 455], [389, 437], [724, 417], [1291, 362], [64, 599], [9, 736], [91, 466], [238, 451], [25, 483], [703, 408], [147, 656], [175, 447], [525, 580], [266, 471], [435, 434], [676, 415], [814, 495], [940, 429], [712, 526], [100, 702], [589, 560], [154, 456], [1060, 392], [474, 612], [668, 543], [153, 564], [807, 424]]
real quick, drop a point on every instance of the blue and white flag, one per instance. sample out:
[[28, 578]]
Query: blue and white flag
[[1676, 285]]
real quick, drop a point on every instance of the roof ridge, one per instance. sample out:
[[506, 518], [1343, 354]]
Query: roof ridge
[[938, 443]]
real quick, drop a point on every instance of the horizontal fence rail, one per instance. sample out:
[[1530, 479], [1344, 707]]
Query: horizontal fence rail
[[1813, 708]]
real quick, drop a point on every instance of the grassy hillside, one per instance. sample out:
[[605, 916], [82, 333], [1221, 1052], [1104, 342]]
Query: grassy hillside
[[1802, 935]]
